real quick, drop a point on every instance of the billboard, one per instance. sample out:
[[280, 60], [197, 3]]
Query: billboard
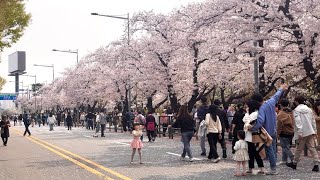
[[17, 62]]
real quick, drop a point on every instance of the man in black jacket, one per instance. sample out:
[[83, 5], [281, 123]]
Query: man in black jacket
[[201, 115], [225, 127], [27, 122]]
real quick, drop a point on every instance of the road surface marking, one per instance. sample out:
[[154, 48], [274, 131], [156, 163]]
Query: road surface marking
[[88, 136], [123, 143], [180, 156], [68, 158], [82, 158]]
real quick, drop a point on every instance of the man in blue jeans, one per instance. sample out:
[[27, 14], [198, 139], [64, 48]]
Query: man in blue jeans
[[267, 119]]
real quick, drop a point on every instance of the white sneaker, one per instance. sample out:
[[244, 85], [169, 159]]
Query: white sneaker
[[281, 163], [191, 159], [216, 160]]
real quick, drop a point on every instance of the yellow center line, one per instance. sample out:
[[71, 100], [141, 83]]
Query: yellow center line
[[68, 158], [83, 159]]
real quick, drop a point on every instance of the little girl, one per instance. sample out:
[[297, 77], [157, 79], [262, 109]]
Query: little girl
[[136, 142], [241, 153]]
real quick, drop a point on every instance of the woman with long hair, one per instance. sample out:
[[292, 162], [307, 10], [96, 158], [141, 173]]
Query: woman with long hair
[[214, 132], [186, 123], [249, 119]]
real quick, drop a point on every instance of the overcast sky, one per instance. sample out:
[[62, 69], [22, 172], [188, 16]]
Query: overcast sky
[[67, 24]]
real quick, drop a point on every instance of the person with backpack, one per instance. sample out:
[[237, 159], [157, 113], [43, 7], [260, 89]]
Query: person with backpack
[[202, 130], [27, 122], [151, 126]]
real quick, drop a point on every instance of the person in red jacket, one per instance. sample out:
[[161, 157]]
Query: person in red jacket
[[151, 127]]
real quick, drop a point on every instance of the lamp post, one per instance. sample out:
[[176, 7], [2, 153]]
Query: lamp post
[[50, 66], [128, 41], [69, 51]]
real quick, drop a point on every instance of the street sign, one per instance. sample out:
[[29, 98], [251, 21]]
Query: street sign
[[7, 96]]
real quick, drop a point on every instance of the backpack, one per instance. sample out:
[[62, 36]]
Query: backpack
[[151, 126]]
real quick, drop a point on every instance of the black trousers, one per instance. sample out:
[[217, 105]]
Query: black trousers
[[222, 141], [234, 140], [124, 126], [5, 140], [26, 130], [164, 129], [213, 139], [151, 135], [103, 127], [254, 155], [69, 126]]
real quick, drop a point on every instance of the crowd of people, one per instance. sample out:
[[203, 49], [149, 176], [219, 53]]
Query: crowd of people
[[254, 128]]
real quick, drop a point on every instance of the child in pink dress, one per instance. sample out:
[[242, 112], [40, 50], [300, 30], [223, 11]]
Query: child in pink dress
[[136, 142]]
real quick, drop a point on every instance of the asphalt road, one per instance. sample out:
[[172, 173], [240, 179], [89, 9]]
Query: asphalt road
[[76, 154]]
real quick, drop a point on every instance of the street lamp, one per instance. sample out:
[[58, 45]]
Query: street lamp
[[68, 51], [128, 41], [50, 66], [117, 17]]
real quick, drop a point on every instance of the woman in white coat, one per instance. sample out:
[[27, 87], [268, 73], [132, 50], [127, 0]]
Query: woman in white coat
[[51, 121], [248, 119]]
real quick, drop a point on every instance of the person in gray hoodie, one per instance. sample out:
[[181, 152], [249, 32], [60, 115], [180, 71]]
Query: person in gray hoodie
[[305, 132]]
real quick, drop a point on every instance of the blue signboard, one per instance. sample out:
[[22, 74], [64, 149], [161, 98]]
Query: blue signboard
[[8, 97]]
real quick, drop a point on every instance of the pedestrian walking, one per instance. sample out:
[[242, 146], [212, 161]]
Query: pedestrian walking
[[241, 155], [5, 124], [285, 130], [136, 143], [20, 118], [43, 118], [202, 130], [26, 121], [214, 132], [51, 120], [305, 132], [225, 127], [103, 122], [254, 153], [90, 116], [59, 117], [150, 124], [186, 124], [15, 119], [97, 128], [164, 122], [230, 112], [82, 119], [33, 120], [39, 119], [69, 121], [267, 119], [237, 124]]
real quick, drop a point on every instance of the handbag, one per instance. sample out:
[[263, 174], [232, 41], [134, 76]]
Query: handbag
[[2, 130]]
